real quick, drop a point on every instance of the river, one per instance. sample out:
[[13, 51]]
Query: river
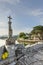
[[2, 42]]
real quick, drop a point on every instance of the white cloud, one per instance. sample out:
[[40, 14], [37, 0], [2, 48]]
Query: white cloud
[[2, 24], [3, 31], [4, 21], [26, 30], [31, 12], [3, 28], [10, 1], [35, 12], [41, 21]]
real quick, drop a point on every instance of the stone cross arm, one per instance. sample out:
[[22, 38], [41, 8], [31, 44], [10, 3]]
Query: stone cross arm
[[9, 18]]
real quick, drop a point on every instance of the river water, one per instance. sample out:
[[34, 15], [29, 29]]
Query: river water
[[2, 42]]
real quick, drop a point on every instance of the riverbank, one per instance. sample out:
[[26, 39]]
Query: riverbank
[[29, 41]]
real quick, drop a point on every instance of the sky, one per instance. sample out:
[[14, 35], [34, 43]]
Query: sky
[[25, 15]]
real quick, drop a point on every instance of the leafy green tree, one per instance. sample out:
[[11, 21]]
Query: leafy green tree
[[22, 35], [37, 29]]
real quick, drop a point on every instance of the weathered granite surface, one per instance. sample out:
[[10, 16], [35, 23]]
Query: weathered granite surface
[[13, 53], [32, 55]]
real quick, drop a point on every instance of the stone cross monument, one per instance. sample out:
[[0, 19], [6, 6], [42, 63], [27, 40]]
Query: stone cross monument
[[10, 40], [10, 29]]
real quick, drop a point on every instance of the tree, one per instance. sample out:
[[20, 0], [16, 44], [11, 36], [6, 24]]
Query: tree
[[22, 35], [37, 29]]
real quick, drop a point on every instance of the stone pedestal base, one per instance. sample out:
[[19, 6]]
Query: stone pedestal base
[[10, 41]]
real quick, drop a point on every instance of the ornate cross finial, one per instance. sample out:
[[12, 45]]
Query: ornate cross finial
[[9, 18]]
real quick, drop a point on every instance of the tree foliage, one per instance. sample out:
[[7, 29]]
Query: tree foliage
[[22, 35], [37, 29]]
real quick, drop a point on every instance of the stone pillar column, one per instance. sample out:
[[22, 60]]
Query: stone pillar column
[[10, 29]]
